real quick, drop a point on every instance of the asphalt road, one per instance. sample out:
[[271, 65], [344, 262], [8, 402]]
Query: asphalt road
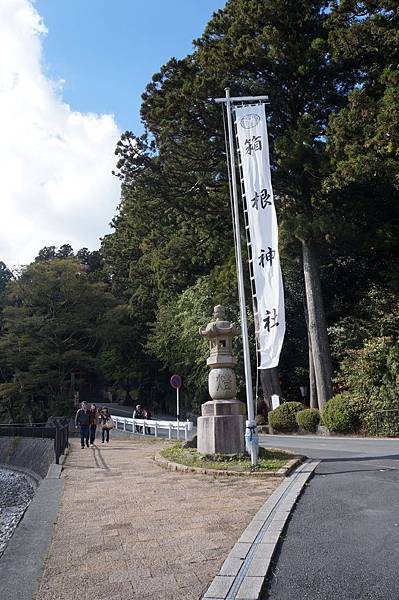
[[342, 541]]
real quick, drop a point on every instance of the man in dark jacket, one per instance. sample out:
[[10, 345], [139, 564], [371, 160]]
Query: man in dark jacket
[[82, 420], [138, 413]]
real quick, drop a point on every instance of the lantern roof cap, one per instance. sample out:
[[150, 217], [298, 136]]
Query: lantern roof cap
[[219, 326]]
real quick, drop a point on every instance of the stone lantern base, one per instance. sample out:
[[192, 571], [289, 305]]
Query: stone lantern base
[[221, 428]]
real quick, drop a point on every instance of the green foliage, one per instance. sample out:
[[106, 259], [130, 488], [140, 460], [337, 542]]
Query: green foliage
[[121, 359], [338, 414], [179, 169], [364, 136], [370, 376], [261, 420], [175, 339], [283, 418], [5, 277], [128, 315], [308, 419], [52, 320], [376, 315], [366, 346]]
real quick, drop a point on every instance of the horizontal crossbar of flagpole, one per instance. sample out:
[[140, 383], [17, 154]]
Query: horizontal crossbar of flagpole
[[242, 99]]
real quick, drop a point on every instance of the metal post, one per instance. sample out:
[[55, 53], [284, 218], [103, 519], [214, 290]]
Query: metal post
[[177, 413], [251, 436], [57, 443], [63, 439]]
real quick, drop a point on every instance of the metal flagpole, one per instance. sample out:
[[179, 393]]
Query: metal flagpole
[[177, 412], [251, 436]]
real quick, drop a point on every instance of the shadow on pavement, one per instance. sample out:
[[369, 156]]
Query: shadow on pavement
[[362, 458]]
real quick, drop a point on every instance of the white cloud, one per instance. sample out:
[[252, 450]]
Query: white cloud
[[56, 184]]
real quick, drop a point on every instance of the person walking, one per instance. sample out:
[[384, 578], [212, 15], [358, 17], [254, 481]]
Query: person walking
[[148, 417], [93, 423], [106, 423], [138, 413], [82, 420]]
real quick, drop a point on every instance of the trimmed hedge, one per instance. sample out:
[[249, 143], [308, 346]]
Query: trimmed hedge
[[338, 414], [283, 417], [308, 419]]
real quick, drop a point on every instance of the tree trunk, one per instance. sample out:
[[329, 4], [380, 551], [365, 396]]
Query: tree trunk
[[312, 380], [270, 385], [317, 325]]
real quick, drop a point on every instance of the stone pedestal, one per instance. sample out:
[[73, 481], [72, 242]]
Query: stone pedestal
[[221, 427]]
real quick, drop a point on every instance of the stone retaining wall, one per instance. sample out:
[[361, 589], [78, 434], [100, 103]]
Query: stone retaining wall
[[27, 454]]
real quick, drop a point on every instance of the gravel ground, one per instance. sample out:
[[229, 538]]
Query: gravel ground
[[16, 492]]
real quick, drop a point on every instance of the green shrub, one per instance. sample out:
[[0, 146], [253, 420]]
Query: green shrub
[[308, 419], [370, 376], [261, 420], [338, 414], [283, 417]]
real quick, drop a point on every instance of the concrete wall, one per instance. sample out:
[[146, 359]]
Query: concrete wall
[[27, 454]]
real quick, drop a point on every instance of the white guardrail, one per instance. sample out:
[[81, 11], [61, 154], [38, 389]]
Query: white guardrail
[[146, 427]]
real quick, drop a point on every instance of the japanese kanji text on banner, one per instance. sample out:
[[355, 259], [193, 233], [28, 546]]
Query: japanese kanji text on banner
[[263, 232]]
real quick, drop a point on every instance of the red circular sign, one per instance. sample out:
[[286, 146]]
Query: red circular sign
[[175, 381]]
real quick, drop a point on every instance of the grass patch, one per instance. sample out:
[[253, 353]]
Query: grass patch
[[268, 460]]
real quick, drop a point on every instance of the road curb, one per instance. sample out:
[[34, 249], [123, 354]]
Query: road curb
[[243, 574], [283, 472]]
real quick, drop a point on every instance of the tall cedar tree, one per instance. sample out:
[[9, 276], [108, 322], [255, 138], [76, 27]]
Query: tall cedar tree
[[279, 48]]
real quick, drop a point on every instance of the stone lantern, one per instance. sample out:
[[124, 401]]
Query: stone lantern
[[221, 427]]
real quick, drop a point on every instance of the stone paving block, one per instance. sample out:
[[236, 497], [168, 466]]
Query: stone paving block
[[281, 515], [276, 526], [239, 550], [250, 588], [270, 537], [284, 508], [261, 516], [253, 527], [250, 533], [248, 537], [259, 567], [294, 494], [231, 566], [264, 552], [219, 587], [269, 504]]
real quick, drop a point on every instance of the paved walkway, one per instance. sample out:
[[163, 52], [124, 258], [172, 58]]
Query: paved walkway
[[128, 530]]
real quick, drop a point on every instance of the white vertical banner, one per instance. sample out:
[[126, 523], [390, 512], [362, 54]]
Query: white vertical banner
[[263, 232]]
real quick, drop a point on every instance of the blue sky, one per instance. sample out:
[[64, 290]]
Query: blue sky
[[71, 77], [107, 50]]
